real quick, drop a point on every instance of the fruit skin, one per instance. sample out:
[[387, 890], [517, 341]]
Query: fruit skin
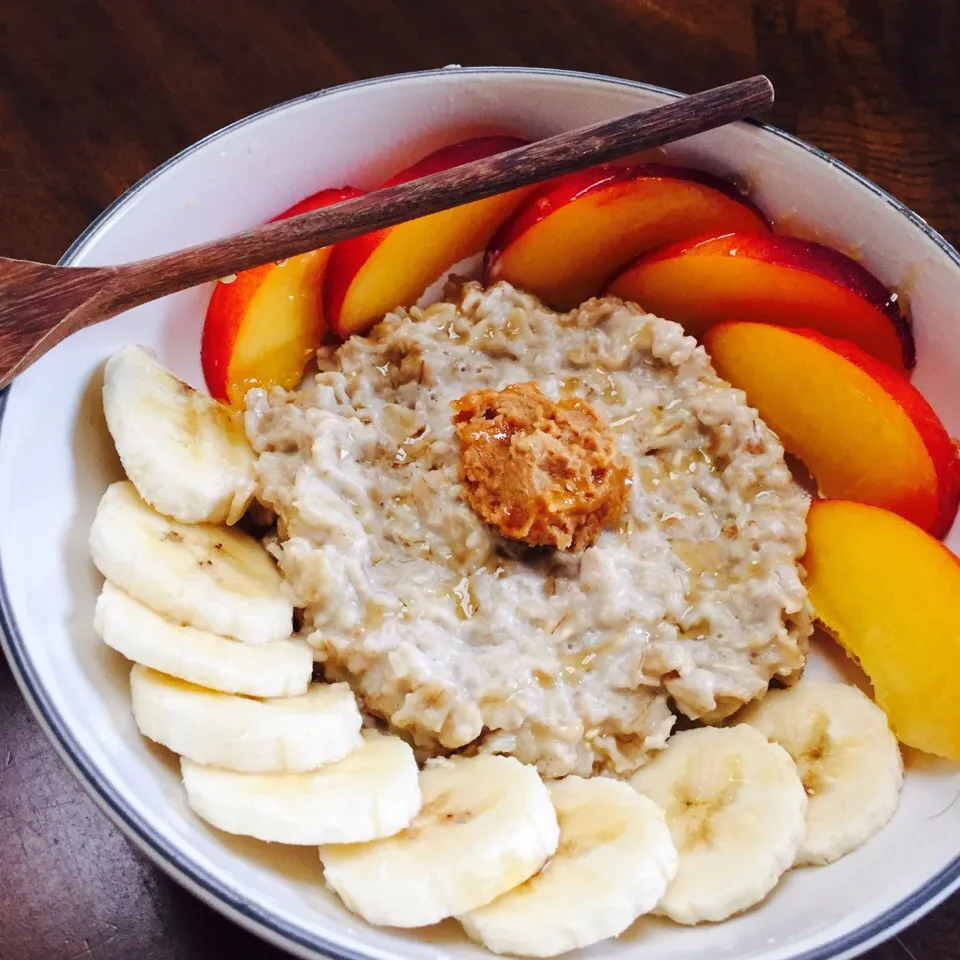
[[861, 428], [372, 792], [735, 807], [846, 756], [613, 865], [372, 274], [767, 278], [186, 453], [280, 668], [262, 328], [890, 594], [574, 232]]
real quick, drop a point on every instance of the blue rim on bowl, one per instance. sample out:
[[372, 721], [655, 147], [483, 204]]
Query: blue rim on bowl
[[192, 875]]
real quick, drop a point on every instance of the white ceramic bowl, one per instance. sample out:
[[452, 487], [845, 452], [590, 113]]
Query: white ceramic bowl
[[56, 459]]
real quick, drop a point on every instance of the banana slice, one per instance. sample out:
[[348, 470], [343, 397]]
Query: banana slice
[[735, 807], [280, 668], [487, 825], [281, 735], [212, 578], [848, 760], [373, 792], [187, 454], [613, 865]]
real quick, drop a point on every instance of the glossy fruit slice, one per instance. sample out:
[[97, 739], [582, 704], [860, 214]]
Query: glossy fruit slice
[[263, 326], [890, 593], [574, 232], [373, 274], [862, 429], [769, 279]]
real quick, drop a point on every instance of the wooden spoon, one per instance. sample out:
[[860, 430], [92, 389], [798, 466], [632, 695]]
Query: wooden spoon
[[41, 304]]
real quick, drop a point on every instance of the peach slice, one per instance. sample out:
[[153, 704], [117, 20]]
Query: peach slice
[[862, 429], [890, 594], [263, 326], [769, 279], [370, 275], [571, 234]]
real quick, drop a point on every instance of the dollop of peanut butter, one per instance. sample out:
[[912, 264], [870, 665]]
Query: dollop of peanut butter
[[547, 473]]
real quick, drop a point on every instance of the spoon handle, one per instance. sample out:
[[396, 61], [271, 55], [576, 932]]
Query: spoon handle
[[567, 152]]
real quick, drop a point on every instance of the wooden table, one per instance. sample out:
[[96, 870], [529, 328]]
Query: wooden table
[[95, 94]]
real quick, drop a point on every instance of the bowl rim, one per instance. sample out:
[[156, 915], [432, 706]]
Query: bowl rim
[[193, 876]]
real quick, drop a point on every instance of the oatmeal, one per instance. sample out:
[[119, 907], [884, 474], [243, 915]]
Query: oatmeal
[[462, 639], [547, 473]]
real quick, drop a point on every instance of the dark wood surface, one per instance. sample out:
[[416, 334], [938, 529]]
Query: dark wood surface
[[95, 94]]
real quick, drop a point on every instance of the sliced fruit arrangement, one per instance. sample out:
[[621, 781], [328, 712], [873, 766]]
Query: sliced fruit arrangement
[[529, 869], [372, 792], [487, 824], [806, 776], [862, 429], [371, 275], [263, 327], [219, 679], [187, 454], [890, 594], [848, 760], [277, 734], [213, 578], [735, 807], [574, 232], [613, 863], [767, 278]]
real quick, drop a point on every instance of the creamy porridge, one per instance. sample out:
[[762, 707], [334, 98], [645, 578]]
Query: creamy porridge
[[462, 639]]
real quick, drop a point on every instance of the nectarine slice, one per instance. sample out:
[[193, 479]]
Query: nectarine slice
[[263, 326], [769, 279], [890, 594], [862, 429], [573, 233], [370, 275]]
